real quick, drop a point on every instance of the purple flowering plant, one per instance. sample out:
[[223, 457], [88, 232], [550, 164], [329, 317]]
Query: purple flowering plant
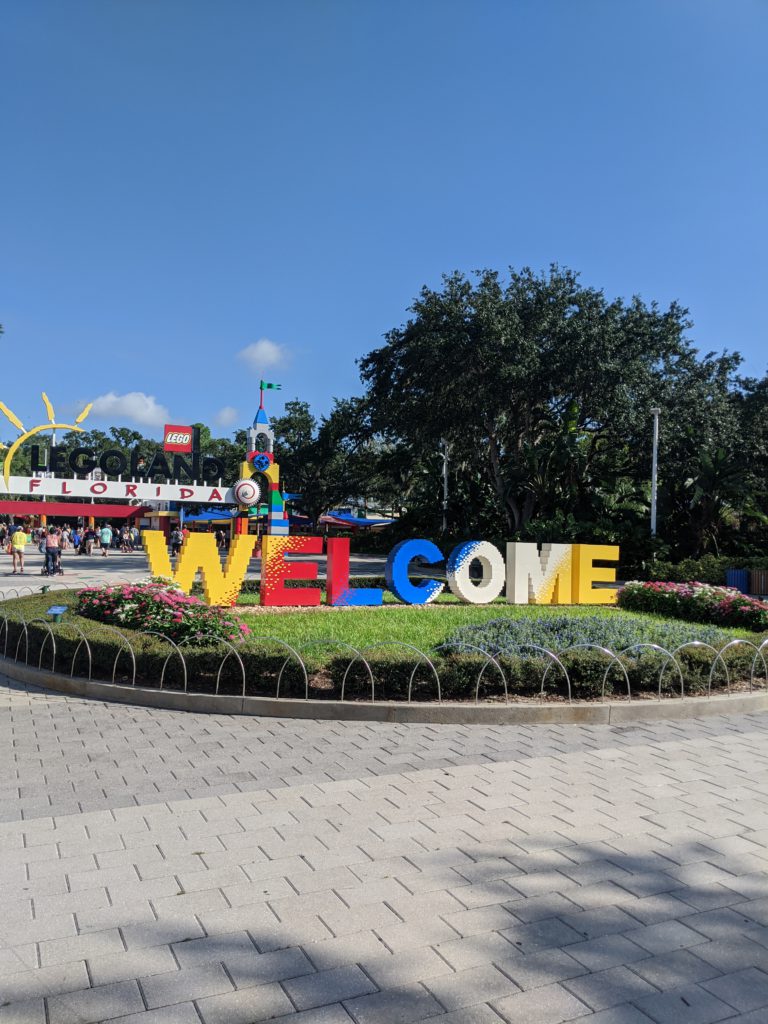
[[159, 605]]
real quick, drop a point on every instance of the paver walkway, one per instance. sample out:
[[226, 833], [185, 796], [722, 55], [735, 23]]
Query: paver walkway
[[165, 867]]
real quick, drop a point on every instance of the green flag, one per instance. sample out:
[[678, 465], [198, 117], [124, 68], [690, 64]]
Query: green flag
[[266, 386]]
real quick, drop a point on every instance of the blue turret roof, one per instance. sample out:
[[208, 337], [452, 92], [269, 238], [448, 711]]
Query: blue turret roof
[[261, 419]]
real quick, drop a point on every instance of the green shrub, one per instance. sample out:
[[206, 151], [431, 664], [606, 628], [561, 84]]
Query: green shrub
[[707, 569]]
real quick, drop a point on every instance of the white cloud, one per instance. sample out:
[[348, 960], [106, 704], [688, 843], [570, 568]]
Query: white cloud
[[227, 416], [263, 355], [135, 406]]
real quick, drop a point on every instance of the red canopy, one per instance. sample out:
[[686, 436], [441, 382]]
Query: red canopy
[[72, 509]]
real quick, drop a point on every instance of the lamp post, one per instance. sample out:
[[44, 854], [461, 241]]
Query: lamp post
[[445, 485], [654, 467]]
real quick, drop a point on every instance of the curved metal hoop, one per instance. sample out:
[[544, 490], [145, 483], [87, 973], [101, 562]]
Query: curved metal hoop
[[490, 658], [83, 640], [395, 643], [49, 633], [4, 630], [25, 634], [661, 650], [709, 647], [325, 643], [124, 643], [738, 642], [293, 653], [218, 640], [760, 652], [554, 660], [154, 632], [603, 650]]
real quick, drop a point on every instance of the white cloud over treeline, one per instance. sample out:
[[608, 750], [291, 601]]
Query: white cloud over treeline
[[135, 406]]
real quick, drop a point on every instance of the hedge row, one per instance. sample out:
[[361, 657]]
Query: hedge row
[[392, 670], [709, 569]]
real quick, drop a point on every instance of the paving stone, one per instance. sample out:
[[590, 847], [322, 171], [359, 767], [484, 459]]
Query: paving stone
[[609, 988], [104, 970], [671, 970], [490, 947], [182, 985], [250, 1004], [161, 933], [543, 968], [743, 990], [625, 1014], [397, 969], [592, 924], [96, 1004], [551, 1004], [80, 947], [688, 1005], [475, 985], [482, 1014], [607, 951], [347, 949], [327, 987], [259, 969], [322, 1015], [393, 1006], [29, 1011], [541, 935], [179, 1013]]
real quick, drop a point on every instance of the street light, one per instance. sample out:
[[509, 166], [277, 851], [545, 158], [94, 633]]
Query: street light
[[654, 467], [444, 444]]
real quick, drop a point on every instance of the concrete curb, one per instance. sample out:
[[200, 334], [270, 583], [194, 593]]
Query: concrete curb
[[608, 713]]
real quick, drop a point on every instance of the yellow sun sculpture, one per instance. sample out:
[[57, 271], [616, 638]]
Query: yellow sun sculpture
[[25, 434]]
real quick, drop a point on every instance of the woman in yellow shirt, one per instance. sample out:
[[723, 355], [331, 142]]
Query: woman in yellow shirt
[[18, 542]]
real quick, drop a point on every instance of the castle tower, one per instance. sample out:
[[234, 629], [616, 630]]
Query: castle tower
[[261, 459]]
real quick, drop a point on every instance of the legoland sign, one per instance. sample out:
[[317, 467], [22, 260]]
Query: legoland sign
[[554, 574]]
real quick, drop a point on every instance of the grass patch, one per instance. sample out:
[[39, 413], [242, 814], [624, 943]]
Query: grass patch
[[427, 626]]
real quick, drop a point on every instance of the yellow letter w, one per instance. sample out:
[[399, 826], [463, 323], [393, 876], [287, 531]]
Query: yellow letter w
[[199, 551]]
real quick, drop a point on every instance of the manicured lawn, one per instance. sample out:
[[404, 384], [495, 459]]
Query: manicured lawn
[[424, 627]]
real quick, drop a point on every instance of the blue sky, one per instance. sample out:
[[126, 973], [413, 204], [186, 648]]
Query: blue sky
[[196, 194]]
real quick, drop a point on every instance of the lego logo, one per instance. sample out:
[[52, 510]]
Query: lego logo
[[178, 437]]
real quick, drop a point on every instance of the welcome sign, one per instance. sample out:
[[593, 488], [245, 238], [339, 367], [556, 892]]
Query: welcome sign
[[554, 574]]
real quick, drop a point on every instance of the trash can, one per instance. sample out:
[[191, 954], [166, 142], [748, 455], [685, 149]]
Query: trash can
[[738, 579], [758, 582]]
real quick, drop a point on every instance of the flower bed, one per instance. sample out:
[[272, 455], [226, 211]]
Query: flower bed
[[696, 602], [159, 606]]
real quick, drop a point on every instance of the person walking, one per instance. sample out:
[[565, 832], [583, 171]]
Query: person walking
[[52, 552], [19, 541], [177, 539], [105, 538], [89, 538]]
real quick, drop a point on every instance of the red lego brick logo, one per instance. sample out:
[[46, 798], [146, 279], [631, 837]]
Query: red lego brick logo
[[176, 438]]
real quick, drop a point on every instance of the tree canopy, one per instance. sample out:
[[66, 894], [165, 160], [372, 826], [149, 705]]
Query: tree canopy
[[541, 389]]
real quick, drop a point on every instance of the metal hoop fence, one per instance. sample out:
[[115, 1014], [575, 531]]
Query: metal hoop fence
[[248, 654]]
